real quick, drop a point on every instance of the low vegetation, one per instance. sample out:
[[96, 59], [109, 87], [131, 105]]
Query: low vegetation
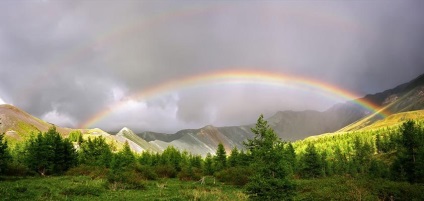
[[381, 164]]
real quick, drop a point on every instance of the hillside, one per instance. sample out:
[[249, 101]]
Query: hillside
[[296, 125], [289, 125], [18, 125]]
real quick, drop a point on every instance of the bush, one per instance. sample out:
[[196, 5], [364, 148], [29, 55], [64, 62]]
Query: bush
[[190, 174], [18, 169], [235, 175], [166, 171], [93, 172], [125, 180], [270, 189], [146, 172]]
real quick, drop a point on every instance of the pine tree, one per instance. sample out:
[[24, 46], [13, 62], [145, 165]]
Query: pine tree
[[95, 152], [233, 159], [5, 156], [208, 165], [270, 181], [311, 163], [49, 153], [220, 158], [409, 158], [123, 159]]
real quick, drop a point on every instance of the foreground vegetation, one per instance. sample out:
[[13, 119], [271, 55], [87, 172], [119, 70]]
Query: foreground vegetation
[[383, 164], [87, 188]]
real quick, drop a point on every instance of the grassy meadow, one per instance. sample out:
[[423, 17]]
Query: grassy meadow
[[87, 188]]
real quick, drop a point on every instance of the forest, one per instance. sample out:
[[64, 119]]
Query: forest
[[379, 164]]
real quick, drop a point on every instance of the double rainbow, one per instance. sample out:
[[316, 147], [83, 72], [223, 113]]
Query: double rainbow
[[238, 77]]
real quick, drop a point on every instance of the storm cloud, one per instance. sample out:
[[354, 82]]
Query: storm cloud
[[66, 61]]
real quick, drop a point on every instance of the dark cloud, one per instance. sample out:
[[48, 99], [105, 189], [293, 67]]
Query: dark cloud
[[65, 61]]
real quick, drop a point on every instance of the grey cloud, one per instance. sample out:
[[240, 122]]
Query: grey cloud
[[68, 56]]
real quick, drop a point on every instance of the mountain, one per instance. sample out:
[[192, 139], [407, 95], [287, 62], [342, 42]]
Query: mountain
[[295, 125], [18, 125], [289, 125]]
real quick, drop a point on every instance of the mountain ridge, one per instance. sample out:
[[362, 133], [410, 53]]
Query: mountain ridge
[[288, 125]]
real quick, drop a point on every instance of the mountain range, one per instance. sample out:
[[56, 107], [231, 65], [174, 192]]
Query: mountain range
[[289, 125]]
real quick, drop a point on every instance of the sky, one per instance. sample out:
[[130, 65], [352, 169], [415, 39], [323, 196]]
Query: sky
[[68, 61]]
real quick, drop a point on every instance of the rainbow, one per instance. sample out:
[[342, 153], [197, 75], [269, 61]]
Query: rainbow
[[237, 77], [118, 33]]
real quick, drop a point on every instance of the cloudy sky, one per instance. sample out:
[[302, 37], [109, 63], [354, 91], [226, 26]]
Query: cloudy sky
[[68, 61]]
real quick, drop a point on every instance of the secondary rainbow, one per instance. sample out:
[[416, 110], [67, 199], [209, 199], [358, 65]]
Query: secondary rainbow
[[238, 77]]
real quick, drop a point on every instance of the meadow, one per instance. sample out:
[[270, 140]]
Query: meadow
[[87, 188]]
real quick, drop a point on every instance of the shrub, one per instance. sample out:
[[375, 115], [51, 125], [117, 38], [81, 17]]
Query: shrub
[[125, 180], [235, 175], [190, 174], [270, 189], [166, 171], [92, 171], [146, 172]]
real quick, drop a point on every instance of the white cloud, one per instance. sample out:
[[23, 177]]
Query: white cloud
[[59, 119]]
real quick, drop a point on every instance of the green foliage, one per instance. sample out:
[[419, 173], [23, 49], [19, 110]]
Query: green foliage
[[171, 157], [166, 171], [94, 172], [95, 152], [311, 163], [235, 175], [49, 153], [220, 158], [123, 158], [269, 181], [410, 155], [270, 189], [208, 165], [75, 136], [5, 157], [129, 179], [86, 188]]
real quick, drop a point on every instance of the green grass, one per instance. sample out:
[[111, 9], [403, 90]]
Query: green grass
[[349, 188], [85, 188]]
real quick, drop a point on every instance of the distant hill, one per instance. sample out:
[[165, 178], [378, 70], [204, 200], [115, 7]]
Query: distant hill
[[289, 125], [295, 125]]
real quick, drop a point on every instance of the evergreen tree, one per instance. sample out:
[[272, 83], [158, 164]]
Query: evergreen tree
[[49, 153], [290, 156], [123, 159], [171, 157], [311, 163], [208, 165], [5, 156], [233, 159], [220, 158], [408, 156], [95, 152], [378, 143], [270, 180]]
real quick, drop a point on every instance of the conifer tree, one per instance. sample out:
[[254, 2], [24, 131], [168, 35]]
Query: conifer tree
[[220, 158], [208, 165], [49, 153], [270, 181], [95, 152], [5, 156], [233, 159], [311, 162], [123, 159]]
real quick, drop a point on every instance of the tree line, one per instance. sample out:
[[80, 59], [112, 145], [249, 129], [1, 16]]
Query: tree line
[[267, 167]]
